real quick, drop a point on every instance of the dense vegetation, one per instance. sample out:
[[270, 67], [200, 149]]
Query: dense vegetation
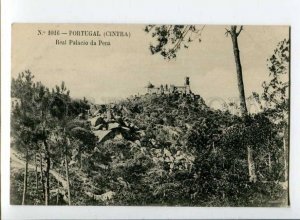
[[176, 150]]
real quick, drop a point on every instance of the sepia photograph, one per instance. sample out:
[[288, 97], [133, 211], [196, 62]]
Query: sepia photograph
[[150, 115]]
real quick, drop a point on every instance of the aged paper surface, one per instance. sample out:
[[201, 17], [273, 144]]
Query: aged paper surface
[[168, 115]]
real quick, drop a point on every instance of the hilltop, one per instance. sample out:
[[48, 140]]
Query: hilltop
[[142, 115]]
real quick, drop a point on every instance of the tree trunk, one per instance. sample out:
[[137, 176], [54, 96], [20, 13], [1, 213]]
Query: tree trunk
[[234, 37], [79, 155], [251, 165], [57, 193], [67, 173], [36, 173], [236, 52], [270, 162], [47, 176], [80, 158], [285, 151], [42, 175], [25, 179]]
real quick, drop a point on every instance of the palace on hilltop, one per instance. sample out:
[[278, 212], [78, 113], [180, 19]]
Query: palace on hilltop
[[170, 89]]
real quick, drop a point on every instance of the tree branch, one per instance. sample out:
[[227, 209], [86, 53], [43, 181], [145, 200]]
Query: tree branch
[[198, 34], [227, 32], [177, 44], [241, 28]]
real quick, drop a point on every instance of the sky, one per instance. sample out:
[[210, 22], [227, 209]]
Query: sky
[[103, 73]]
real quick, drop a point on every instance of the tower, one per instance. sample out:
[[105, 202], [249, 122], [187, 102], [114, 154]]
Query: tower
[[187, 81], [187, 85]]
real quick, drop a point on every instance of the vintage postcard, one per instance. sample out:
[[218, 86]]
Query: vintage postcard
[[143, 115]]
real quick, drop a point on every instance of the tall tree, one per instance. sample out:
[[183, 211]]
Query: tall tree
[[60, 106], [234, 33], [70, 129], [23, 120], [41, 103], [274, 101]]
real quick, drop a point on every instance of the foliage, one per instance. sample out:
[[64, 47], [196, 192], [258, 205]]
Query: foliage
[[39, 123], [178, 151], [170, 38], [274, 100]]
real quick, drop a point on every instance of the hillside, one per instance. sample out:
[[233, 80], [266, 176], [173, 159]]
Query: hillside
[[162, 150]]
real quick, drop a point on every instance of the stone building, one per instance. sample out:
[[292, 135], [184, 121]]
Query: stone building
[[170, 89]]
